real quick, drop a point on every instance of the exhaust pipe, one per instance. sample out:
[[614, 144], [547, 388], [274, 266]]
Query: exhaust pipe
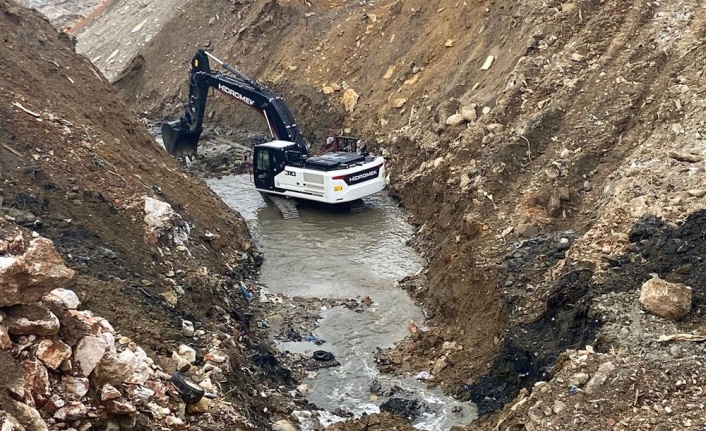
[[178, 140]]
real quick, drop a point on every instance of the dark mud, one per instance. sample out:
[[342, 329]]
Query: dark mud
[[222, 150], [407, 408], [674, 253], [525, 263], [530, 351]]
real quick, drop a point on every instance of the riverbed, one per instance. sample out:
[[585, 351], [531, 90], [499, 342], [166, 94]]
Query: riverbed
[[332, 253]]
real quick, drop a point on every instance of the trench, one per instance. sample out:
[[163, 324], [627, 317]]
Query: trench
[[333, 254]]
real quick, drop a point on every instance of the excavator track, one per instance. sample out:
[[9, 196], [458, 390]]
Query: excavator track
[[288, 207], [356, 205]]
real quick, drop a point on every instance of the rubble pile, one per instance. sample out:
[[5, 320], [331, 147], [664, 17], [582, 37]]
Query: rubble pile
[[77, 370]]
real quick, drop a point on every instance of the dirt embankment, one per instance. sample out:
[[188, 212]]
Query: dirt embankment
[[525, 172], [76, 166]]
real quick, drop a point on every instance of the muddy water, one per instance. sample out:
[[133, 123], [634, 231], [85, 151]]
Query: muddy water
[[334, 254]]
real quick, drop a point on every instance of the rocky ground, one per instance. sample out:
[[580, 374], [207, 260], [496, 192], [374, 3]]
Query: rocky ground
[[65, 13], [74, 368], [551, 156], [113, 37]]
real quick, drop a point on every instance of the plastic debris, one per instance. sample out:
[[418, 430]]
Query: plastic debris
[[424, 375], [246, 293], [316, 340]]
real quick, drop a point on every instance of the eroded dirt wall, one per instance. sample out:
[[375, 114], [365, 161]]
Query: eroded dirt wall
[[78, 167]]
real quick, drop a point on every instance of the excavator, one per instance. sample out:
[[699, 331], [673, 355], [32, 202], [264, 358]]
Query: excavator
[[284, 165]]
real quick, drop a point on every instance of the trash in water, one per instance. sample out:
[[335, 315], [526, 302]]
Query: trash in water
[[424, 375], [322, 355], [315, 340], [375, 387]]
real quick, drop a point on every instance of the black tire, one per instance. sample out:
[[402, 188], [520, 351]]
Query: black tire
[[189, 391], [322, 355]]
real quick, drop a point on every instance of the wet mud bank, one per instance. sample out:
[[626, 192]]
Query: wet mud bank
[[528, 351], [223, 151]]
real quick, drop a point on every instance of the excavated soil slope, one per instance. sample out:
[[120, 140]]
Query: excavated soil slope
[[588, 117], [76, 165]]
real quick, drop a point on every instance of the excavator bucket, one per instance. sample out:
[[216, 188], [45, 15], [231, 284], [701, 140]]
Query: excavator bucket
[[178, 140]]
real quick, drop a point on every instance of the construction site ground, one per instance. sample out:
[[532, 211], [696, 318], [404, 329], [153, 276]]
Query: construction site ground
[[550, 155]]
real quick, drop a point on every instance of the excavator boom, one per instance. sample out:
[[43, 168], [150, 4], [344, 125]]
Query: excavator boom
[[181, 136]]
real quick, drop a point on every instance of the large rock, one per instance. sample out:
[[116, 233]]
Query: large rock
[[78, 324], [283, 425], [439, 365], [469, 113], [128, 366], [25, 279], [120, 407], [29, 417], [112, 370], [455, 120], [89, 352], [109, 392], [61, 300], [55, 403], [178, 363], [187, 353], [140, 394], [200, 407], [160, 218], [670, 301], [5, 342], [350, 100], [141, 365], [71, 412], [75, 387], [36, 383], [398, 103], [600, 377], [53, 353], [32, 320]]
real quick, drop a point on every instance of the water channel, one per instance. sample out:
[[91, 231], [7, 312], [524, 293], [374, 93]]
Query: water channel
[[334, 254]]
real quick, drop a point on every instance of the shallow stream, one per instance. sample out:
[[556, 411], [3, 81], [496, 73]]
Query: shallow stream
[[339, 254]]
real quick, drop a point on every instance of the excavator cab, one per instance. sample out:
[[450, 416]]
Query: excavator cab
[[263, 168], [270, 159]]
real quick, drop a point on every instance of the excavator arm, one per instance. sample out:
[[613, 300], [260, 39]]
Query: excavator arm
[[181, 137]]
